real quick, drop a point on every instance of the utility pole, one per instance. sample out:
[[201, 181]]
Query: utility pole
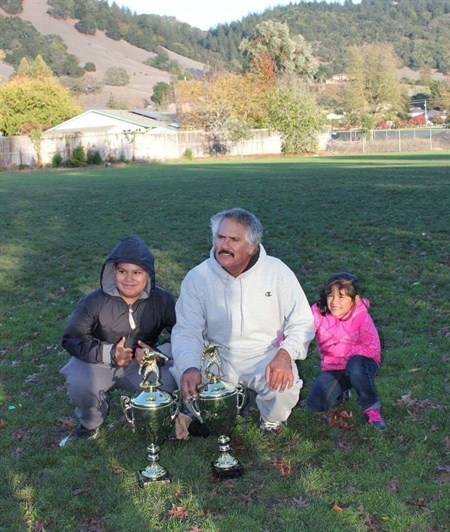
[[426, 113]]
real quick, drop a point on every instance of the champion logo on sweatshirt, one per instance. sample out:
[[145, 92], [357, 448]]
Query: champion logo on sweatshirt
[[268, 294]]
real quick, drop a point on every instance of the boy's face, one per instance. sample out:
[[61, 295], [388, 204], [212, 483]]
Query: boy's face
[[130, 280]]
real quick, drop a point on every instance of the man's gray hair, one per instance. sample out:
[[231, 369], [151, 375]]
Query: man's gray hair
[[254, 232]]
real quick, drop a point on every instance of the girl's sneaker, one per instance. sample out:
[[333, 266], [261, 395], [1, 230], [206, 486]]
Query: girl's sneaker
[[373, 417]]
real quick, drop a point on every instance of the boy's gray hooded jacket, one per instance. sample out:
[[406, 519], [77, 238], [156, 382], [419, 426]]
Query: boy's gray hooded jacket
[[102, 318]]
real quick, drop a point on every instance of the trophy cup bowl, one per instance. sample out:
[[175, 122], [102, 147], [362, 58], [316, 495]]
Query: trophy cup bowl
[[217, 405], [151, 414]]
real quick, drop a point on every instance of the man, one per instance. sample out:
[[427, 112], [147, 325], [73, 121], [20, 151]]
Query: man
[[252, 306], [108, 331]]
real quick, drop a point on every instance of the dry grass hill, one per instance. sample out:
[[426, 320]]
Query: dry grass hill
[[104, 53]]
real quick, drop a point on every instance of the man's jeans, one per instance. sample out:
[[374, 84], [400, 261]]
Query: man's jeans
[[330, 386]]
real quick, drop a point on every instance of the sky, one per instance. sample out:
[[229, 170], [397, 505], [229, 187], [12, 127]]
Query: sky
[[203, 14]]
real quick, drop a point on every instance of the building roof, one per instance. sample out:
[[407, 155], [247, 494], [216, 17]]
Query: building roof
[[135, 118]]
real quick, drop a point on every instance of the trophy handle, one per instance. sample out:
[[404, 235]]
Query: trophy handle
[[126, 407], [176, 404], [194, 409], [240, 396]]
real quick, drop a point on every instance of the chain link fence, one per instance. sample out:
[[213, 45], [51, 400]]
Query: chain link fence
[[389, 140]]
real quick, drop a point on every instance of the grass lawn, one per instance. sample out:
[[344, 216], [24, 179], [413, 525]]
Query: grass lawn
[[384, 217]]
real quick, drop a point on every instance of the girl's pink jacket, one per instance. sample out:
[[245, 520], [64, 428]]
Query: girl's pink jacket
[[338, 340]]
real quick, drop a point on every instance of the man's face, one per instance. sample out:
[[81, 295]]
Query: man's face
[[230, 247], [130, 281]]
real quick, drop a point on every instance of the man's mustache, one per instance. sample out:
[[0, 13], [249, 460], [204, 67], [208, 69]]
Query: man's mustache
[[226, 251]]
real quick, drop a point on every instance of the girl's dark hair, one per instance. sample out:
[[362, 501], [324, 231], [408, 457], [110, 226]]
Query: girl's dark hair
[[344, 281]]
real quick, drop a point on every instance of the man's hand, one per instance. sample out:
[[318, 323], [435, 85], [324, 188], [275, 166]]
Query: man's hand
[[279, 373], [190, 379], [123, 355]]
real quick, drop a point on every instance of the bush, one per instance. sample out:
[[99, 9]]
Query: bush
[[93, 157], [116, 76], [90, 67], [188, 154], [57, 160], [78, 157]]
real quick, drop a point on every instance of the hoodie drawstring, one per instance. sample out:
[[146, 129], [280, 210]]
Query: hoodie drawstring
[[130, 317]]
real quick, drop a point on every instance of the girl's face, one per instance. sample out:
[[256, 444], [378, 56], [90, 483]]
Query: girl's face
[[339, 302]]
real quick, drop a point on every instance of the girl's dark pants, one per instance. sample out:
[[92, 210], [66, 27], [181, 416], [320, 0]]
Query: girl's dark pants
[[330, 387]]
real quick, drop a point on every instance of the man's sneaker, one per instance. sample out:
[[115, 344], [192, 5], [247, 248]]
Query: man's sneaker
[[373, 417], [82, 433], [271, 427]]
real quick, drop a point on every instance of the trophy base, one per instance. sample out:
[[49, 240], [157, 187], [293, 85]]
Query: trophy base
[[144, 480], [235, 471]]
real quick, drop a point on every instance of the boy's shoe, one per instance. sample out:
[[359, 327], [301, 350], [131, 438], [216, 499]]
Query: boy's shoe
[[373, 417], [271, 427], [81, 433]]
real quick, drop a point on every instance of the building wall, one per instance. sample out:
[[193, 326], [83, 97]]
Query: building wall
[[151, 145]]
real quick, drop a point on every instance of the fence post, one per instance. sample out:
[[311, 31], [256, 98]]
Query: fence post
[[431, 140], [399, 141]]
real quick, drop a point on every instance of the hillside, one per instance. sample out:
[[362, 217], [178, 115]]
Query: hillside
[[94, 32], [104, 53]]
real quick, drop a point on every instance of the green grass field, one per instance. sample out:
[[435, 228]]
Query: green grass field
[[385, 218]]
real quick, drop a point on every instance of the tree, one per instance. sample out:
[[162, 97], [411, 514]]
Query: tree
[[289, 55], [297, 118], [28, 104], [212, 101], [161, 93], [374, 91], [37, 69]]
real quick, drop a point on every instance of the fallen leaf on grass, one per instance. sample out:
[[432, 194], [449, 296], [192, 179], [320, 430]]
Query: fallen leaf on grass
[[236, 444], [177, 512], [300, 503], [17, 453], [342, 419], [19, 435], [418, 503], [368, 519], [32, 378], [393, 485], [283, 466], [343, 445], [337, 508], [212, 478], [66, 422], [94, 524], [249, 496], [352, 489], [445, 476], [415, 405], [40, 526], [195, 529], [2, 423]]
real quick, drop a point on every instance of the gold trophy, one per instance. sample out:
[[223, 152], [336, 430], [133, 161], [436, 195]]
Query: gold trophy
[[217, 406], [152, 413]]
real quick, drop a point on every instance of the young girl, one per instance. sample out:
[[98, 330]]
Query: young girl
[[349, 348]]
